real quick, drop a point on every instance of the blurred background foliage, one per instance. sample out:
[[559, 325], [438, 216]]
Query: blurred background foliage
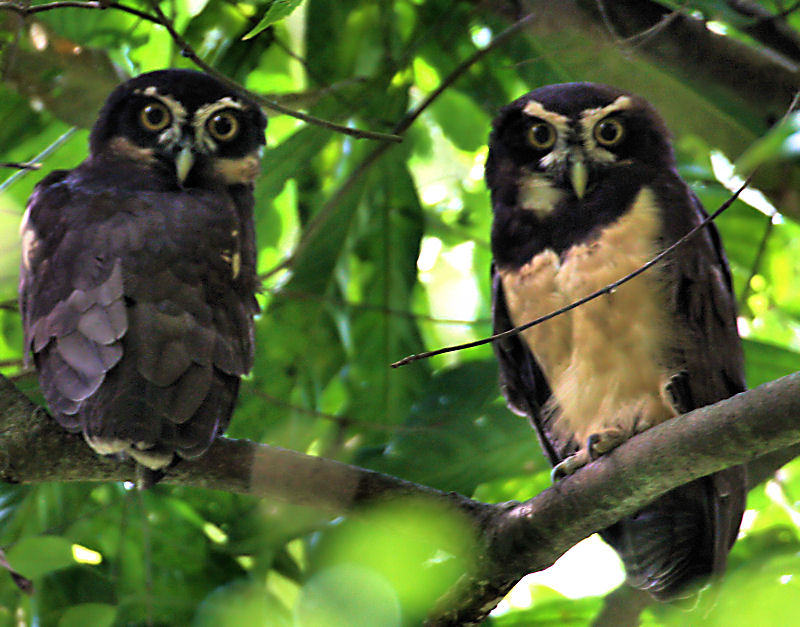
[[367, 258]]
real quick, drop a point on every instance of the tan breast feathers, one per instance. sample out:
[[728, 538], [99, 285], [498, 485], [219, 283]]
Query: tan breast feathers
[[602, 359]]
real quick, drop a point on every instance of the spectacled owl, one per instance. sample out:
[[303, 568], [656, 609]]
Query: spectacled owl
[[584, 190], [138, 269]]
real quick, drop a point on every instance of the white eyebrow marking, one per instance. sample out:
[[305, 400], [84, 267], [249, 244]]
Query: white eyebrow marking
[[589, 120], [201, 116], [559, 122], [173, 133]]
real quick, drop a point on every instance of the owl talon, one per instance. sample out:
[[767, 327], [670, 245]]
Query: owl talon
[[569, 465], [604, 441]]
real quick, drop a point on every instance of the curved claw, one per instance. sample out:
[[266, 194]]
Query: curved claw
[[604, 441], [569, 465]]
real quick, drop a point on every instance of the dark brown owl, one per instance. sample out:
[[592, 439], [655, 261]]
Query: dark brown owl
[[138, 269], [584, 190]]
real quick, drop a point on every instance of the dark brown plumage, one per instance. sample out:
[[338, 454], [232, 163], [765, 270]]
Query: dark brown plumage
[[584, 190], [138, 272]]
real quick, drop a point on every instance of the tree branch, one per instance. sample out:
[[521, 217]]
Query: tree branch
[[518, 537]]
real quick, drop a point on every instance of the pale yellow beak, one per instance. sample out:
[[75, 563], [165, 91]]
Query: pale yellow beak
[[578, 177], [183, 163]]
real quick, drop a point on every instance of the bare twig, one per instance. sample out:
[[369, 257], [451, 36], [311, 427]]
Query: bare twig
[[26, 9], [642, 36], [190, 54], [762, 247], [602, 291], [60, 141], [459, 71], [187, 51], [401, 127], [20, 166], [768, 29]]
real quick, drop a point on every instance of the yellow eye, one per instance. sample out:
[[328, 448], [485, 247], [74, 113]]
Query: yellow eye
[[609, 132], [155, 117], [542, 136], [223, 126]]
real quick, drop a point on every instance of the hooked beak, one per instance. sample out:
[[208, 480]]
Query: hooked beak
[[183, 163], [578, 177]]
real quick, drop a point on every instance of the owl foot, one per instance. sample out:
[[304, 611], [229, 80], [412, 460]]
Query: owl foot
[[597, 444], [569, 465], [604, 441], [146, 477]]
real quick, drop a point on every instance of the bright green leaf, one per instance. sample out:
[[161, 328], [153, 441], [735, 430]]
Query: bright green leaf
[[278, 10], [36, 555]]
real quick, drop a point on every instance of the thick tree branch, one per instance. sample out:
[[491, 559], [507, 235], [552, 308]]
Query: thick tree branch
[[704, 57], [518, 537], [771, 30]]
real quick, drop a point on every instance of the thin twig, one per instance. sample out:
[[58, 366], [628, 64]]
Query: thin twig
[[603, 290], [65, 4], [190, 54], [405, 122], [20, 166], [762, 247], [10, 304], [38, 158], [461, 69], [787, 12], [640, 38], [26, 10]]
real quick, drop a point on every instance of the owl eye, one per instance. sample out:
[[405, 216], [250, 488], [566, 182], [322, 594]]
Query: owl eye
[[154, 116], [609, 132], [542, 136], [223, 126]]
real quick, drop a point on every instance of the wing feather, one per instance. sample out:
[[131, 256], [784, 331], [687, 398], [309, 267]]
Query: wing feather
[[137, 325]]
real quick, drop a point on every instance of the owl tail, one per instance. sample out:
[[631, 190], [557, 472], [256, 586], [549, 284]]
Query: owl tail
[[676, 544]]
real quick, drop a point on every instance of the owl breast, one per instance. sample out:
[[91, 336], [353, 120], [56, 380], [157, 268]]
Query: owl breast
[[604, 361]]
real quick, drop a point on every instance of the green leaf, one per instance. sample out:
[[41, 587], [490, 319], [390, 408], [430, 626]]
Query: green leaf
[[766, 362], [278, 10], [459, 434], [37, 555], [94, 614], [243, 602], [781, 142], [407, 552], [461, 119]]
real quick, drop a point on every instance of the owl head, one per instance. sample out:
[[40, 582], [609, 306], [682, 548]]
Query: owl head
[[561, 142], [183, 125]]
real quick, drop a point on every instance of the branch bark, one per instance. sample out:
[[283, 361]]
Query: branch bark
[[518, 538]]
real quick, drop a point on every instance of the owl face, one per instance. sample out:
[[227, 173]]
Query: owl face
[[185, 124], [561, 141]]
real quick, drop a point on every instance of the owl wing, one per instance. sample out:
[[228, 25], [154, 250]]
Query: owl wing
[[688, 532], [136, 315], [522, 381]]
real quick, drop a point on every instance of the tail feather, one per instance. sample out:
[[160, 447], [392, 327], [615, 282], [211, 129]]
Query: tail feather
[[679, 541]]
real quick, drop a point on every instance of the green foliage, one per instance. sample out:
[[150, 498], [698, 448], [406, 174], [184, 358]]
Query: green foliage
[[276, 11], [387, 256]]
